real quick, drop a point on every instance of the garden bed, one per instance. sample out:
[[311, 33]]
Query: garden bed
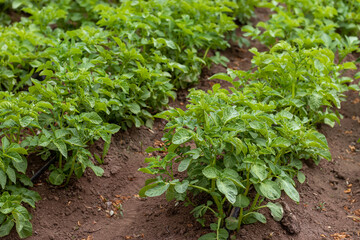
[[110, 207]]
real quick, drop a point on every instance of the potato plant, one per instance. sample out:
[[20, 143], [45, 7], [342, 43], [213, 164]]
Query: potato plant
[[243, 147], [305, 81]]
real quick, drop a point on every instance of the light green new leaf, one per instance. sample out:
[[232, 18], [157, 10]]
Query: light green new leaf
[[221, 76]]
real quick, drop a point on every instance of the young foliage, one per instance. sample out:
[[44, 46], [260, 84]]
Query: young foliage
[[240, 143], [329, 24]]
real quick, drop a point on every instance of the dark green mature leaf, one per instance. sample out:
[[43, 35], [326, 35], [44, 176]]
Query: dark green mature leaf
[[228, 188], [6, 227], [182, 187], [184, 164], [231, 223], [301, 177], [57, 177], [25, 121], [229, 114], [23, 225], [281, 142], [134, 108], [181, 136], [253, 217], [11, 174], [208, 236], [210, 172], [61, 146], [259, 171], [92, 117], [276, 209], [242, 201], [97, 170], [3, 179], [20, 166], [290, 190], [159, 189], [270, 189], [5, 143]]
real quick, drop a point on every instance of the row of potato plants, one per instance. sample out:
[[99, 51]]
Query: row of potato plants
[[242, 147], [73, 72]]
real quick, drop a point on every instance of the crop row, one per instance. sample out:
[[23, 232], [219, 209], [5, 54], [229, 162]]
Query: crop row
[[244, 146], [73, 72]]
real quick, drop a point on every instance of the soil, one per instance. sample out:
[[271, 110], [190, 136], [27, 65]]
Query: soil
[[109, 208]]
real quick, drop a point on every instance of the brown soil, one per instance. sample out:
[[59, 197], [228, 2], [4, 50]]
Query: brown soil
[[329, 206]]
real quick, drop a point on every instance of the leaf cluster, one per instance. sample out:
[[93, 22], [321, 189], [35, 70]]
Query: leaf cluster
[[72, 72], [328, 24], [245, 146]]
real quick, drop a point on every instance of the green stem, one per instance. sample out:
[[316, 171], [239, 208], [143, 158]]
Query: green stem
[[241, 215], [213, 184], [72, 168], [218, 228], [18, 135], [247, 182], [60, 161], [219, 205], [253, 205], [206, 53], [200, 188], [293, 89]]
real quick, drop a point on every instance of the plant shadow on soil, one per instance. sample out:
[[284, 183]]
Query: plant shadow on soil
[[109, 208]]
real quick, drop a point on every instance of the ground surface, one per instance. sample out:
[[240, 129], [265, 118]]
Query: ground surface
[[89, 208]]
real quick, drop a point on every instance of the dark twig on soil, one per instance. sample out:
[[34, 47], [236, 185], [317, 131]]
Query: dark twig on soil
[[43, 169]]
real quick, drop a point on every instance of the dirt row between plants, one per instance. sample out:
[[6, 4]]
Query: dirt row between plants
[[109, 208]]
